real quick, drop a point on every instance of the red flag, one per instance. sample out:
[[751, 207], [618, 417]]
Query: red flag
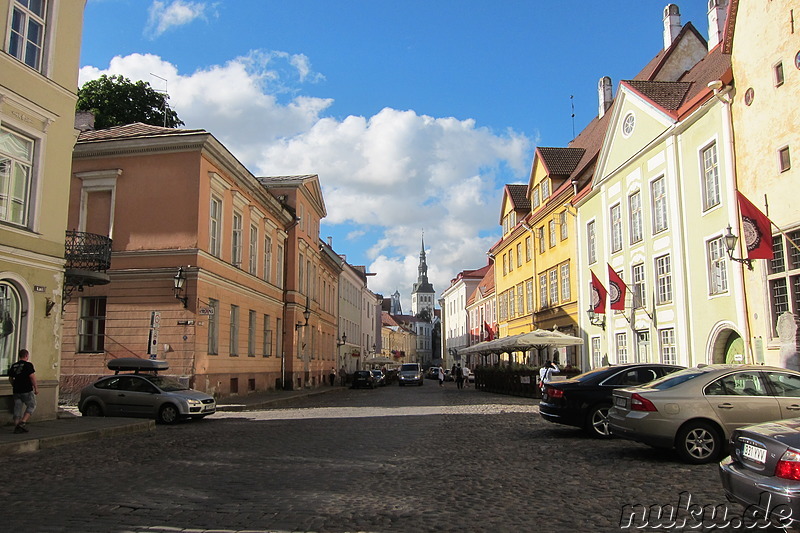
[[616, 290], [489, 334], [597, 295], [756, 230]]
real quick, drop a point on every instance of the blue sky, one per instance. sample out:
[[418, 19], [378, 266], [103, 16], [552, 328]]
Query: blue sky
[[414, 114]]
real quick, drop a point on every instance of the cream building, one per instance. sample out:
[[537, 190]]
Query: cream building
[[38, 84]]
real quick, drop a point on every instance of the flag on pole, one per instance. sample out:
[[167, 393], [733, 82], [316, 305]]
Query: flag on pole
[[756, 230], [489, 332], [597, 295], [616, 290]]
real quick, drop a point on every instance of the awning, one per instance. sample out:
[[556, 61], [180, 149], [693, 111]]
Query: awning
[[523, 342]]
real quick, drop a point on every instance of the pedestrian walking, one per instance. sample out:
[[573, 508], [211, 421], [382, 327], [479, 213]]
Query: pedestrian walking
[[546, 372], [343, 376], [332, 376], [22, 376], [441, 377], [459, 376]]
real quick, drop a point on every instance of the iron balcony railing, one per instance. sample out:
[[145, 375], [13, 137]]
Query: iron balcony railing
[[87, 251]]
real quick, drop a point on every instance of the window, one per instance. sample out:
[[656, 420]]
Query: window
[[26, 39], [545, 190], [535, 200], [505, 225], [267, 339], [622, 348], [784, 161], [591, 242], [251, 334], [510, 260], [521, 299], [92, 325], [541, 239], [10, 310], [717, 266], [562, 221], [267, 258], [236, 241], [279, 267], [597, 360], [666, 340], [528, 251], [663, 280], [643, 341], [784, 277], [639, 289], [566, 293], [215, 227], [616, 228], [738, 384], [711, 195], [554, 287], [779, 77], [635, 208], [628, 123], [658, 191], [16, 164], [529, 294], [300, 277], [542, 291], [213, 327], [785, 385], [505, 264], [519, 254], [234, 329], [551, 227], [512, 310], [253, 249]]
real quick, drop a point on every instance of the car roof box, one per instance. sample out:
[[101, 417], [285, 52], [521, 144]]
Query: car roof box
[[136, 364]]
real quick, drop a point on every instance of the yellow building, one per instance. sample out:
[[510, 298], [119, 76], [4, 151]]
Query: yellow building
[[38, 86], [513, 264], [762, 38]]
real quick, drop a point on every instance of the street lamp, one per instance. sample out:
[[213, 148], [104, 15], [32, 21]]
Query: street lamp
[[306, 315], [178, 283], [730, 245], [596, 319]]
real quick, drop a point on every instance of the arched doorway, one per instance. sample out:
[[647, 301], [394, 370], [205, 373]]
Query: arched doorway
[[728, 347]]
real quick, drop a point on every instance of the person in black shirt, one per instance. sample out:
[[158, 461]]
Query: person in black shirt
[[22, 376]]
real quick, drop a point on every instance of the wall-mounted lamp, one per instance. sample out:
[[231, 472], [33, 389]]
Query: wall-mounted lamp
[[342, 341], [730, 245], [306, 315], [596, 319], [178, 284], [48, 306]]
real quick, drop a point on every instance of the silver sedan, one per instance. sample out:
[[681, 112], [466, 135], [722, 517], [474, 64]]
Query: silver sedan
[[696, 410]]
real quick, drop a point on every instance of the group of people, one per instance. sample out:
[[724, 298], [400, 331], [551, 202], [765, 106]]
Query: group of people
[[460, 375]]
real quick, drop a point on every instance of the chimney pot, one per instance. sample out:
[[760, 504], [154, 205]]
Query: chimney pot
[[605, 95], [672, 24]]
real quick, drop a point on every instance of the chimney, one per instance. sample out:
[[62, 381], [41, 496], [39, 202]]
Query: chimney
[[717, 13], [84, 121], [672, 24], [330, 241], [605, 95]]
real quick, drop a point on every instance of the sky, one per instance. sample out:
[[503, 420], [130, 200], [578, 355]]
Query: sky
[[413, 113]]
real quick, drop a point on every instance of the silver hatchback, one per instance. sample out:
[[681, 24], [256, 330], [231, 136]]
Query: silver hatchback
[[141, 392], [696, 410]]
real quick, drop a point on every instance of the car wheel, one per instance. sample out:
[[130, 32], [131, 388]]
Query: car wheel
[[92, 409], [597, 421], [168, 414], [698, 443]]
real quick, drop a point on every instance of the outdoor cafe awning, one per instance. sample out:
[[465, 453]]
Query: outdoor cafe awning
[[523, 342]]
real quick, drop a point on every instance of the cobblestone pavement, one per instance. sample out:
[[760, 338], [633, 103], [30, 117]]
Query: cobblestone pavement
[[392, 459]]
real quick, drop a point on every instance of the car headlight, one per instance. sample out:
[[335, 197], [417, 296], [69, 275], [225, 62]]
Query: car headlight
[[194, 403]]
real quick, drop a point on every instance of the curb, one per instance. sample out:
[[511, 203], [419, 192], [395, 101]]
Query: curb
[[46, 442]]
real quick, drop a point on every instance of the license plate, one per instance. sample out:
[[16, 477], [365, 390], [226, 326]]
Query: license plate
[[620, 401], [754, 453]]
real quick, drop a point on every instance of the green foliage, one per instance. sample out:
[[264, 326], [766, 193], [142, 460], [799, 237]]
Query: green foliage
[[424, 315], [116, 101]]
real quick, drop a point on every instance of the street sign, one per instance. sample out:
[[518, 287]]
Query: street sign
[[207, 311]]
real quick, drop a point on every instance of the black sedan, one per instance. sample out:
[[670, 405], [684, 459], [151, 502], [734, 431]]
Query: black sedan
[[763, 470], [363, 378], [584, 400]]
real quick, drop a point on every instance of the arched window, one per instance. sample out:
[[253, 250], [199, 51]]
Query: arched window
[[10, 326]]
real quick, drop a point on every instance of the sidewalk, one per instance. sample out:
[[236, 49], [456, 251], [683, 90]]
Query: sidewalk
[[69, 427]]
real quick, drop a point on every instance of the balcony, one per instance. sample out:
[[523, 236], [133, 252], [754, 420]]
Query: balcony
[[88, 256]]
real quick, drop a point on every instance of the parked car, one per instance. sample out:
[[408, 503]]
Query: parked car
[[696, 410], [410, 373], [141, 392], [763, 470], [432, 373], [363, 379], [380, 379], [584, 400]]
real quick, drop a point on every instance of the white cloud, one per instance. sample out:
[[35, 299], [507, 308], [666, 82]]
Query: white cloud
[[163, 16], [398, 171]]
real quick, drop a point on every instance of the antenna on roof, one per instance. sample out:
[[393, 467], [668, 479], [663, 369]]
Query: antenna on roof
[[166, 96], [572, 103]]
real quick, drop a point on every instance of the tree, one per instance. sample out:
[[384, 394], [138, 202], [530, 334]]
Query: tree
[[116, 101]]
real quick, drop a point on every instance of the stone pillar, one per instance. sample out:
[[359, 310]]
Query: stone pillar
[[787, 333]]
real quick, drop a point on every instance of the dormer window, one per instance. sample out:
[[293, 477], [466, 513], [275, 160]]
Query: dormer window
[[535, 200], [545, 190]]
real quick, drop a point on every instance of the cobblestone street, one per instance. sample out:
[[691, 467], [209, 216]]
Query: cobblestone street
[[391, 459]]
